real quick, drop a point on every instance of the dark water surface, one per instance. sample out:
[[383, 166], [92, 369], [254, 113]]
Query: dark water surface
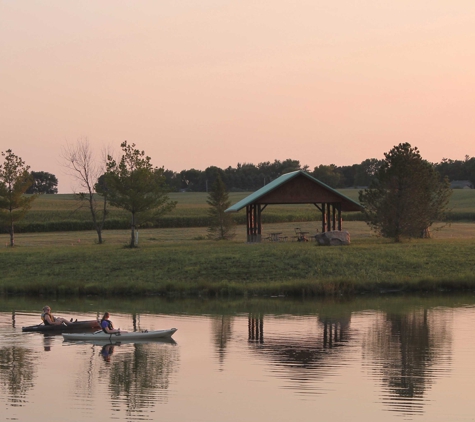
[[369, 359]]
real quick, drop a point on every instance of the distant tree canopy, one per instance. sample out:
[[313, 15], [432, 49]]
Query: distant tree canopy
[[250, 177], [458, 169], [328, 175], [43, 182], [406, 196]]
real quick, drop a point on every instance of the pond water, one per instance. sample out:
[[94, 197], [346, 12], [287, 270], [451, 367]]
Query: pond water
[[368, 359]]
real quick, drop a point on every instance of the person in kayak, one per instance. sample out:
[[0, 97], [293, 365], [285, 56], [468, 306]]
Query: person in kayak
[[49, 319], [107, 326]]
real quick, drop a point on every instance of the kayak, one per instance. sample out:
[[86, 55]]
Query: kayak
[[116, 341], [72, 327], [121, 337]]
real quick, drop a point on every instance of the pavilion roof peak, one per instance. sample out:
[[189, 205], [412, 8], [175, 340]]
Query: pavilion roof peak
[[282, 180]]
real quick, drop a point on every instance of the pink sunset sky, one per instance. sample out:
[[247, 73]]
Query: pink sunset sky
[[218, 82]]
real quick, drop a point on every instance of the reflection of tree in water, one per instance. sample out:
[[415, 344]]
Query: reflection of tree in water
[[141, 377], [302, 358], [222, 331], [404, 348], [17, 372]]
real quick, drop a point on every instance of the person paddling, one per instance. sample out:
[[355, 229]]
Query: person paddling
[[107, 326], [49, 319]]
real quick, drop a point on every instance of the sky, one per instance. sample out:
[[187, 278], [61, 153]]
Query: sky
[[196, 83]]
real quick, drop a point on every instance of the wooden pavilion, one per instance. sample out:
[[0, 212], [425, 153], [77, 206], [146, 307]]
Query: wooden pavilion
[[297, 187]]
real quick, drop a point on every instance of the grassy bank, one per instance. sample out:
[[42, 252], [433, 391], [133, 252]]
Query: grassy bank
[[175, 263]]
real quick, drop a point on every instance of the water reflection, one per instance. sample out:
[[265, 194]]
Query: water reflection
[[384, 358], [404, 350], [17, 373], [222, 328], [106, 352], [47, 341], [139, 375], [256, 328], [303, 358]]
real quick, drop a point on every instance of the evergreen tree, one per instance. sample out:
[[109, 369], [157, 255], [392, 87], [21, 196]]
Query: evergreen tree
[[406, 197], [222, 224]]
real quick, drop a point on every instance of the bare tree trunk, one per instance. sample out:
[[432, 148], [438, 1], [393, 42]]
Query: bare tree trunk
[[80, 161]]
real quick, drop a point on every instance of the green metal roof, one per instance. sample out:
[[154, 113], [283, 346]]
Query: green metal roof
[[253, 197]]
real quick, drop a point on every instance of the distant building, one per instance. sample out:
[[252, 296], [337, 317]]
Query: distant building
[[461, 184]]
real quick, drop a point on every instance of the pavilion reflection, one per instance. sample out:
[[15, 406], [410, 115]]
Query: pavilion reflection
[[302, 359], [222, 333], [335, 331]]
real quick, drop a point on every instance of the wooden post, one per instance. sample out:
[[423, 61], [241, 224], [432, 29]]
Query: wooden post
[[259, 222], [339, 216], [254, 227], [333, 217], [250, 223], [323, 218]]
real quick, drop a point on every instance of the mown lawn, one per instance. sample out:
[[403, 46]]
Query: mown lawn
[[180, 262]]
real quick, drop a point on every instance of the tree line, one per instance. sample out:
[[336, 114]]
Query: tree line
[[250, 177], [247, 177]]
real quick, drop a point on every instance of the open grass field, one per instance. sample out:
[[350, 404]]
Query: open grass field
[[64, 212], [180, 262]]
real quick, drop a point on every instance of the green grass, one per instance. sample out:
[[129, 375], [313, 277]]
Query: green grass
[[169, 262], [175, 261], [63, 212]]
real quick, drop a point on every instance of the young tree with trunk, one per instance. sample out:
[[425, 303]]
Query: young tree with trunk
[[15, 179], [135, 185], [85, 168], [407, 195], [222, 224]]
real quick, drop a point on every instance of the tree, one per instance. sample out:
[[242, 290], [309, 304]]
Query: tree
[[406, 197], [15, 179], [366, 171], [135, 185], [43, 182], [84, 168], [222, 224], [328, 175]]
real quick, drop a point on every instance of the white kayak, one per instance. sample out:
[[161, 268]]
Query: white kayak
[[118, 337]]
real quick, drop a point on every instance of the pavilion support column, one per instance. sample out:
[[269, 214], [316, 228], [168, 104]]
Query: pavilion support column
[[323, 218], [339, 217], [248, 222], [254, 222], [329, 224], [253, 212], [333, 217], [259, 221]]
